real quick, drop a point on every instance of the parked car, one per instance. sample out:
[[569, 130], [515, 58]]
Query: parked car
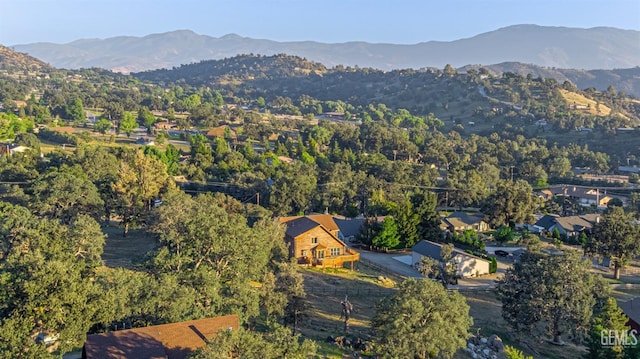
[[501, 253]]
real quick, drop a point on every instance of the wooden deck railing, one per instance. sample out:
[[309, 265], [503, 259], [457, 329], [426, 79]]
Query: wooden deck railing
[[338, 261]]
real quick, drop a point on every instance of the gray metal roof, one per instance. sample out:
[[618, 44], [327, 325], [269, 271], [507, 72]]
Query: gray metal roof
[[432, 249], [546, 221], [299, 226], [349, 227]]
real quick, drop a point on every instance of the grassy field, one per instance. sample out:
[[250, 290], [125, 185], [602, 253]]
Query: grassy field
[[578, 99], [126, 251]]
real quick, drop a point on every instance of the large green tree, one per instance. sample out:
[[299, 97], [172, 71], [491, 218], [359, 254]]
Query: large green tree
[[388, 237], [407, 220], [609, 321], [128, 123], [422, 320], [424, 204], [102, 126], [615, 236], [102, 166], [510, 203], [142, 179], [75, 111], [66, 193], [207, 244], [293, 187], [46, 281], [555, 290]]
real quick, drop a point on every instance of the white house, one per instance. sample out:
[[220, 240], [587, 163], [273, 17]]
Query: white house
[[468, 264]]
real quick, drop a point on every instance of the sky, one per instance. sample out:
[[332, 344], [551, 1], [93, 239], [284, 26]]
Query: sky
[[376, 21]]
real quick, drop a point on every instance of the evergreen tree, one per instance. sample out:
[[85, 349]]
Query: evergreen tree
[[609, 320], [388, 236], [407, 221]]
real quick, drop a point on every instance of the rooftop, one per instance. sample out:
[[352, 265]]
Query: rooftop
[[172, 341]]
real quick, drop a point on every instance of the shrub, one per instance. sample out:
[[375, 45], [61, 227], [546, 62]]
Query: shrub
[[493, 266], [504, 234], [57, 137]]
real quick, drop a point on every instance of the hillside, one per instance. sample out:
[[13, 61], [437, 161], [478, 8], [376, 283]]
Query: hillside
[[447, 94], [13, 60], [596, 48], [627, 80]]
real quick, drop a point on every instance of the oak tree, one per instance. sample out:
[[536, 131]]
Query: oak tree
[[422, 320]]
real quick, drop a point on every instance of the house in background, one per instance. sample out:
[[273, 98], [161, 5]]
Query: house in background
[[567, 226], [460, 221], [584, 196], [12, 148], [166, 341], [468, 264], [575, 225], [631, 309], [313, 240], [542, 224], [349, 228], [163, 126]]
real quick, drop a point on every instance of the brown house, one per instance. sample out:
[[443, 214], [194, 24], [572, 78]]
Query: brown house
[[313, 240], [167, 341], [163, 125]]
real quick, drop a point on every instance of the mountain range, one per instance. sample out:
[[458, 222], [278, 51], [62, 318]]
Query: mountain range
[[551, 47]]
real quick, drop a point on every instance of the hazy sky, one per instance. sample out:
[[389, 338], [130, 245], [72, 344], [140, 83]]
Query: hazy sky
[[393, 21]]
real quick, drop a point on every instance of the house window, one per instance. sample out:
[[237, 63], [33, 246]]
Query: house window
[[314, 240], [304, 253], [321, 254], [335, 252]]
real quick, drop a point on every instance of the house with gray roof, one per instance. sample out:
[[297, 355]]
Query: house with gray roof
[[460, 221], [468, 264], [575, 225]]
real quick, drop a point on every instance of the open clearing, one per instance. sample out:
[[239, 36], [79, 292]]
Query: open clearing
[[126, 251], [326, 288]]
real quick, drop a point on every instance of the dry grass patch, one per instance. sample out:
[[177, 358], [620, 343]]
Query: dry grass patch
[[587, 105], [126, 251]]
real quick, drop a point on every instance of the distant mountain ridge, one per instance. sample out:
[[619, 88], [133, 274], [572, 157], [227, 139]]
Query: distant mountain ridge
[[560, 47]]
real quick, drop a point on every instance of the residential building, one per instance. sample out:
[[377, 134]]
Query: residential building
[[313, 240], [468, 264], [575, 225], [584, 196], [166, 341], [631, 309], [460, 221]]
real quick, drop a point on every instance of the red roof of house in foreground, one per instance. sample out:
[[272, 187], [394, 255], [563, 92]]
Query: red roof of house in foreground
[[172, 341]]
